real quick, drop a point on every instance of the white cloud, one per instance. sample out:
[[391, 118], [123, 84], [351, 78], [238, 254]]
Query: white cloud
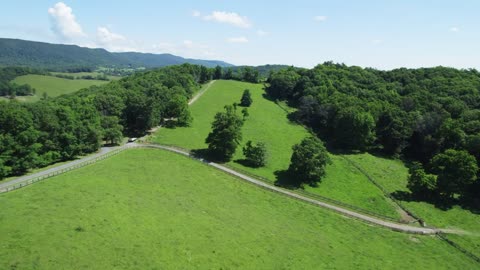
[[229, 18], [114, 42], [196, 13], [188, 43], [320, 18], [376, 41], [261, 33], [64, 24], [104, 36], [454, 29], [237, 40], [65, 27]]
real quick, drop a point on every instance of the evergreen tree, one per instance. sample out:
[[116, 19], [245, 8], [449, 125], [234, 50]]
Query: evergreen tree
[[246, 99]]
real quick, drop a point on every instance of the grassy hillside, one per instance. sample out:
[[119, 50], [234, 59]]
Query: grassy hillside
[[268, 123], [393, 175], [53, 86], [149, 209]]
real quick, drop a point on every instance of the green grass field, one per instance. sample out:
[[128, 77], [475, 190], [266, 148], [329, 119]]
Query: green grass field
[[53, 86], [393, 175], [268, 123], [150, 209]]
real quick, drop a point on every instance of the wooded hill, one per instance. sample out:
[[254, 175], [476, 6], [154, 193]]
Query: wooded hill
[[426, 115], [58, 57]]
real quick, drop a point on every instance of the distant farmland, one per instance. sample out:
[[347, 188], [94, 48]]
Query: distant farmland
[[53, 86]]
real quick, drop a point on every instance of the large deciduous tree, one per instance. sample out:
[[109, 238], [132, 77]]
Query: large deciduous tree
[[353, 129], [226, 134], [256, 155], [456, 170], [112, 130], [420, 183], [308, 161]]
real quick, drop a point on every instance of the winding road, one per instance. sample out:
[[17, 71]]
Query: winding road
[[27, 179]]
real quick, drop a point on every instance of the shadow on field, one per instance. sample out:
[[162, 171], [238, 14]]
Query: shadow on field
[[286, 179], [406, 196], [243, 162], [246, 163], [442, 203], [204, 153]]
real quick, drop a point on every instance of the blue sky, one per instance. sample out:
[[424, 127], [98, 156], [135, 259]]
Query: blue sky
[[380, 34]]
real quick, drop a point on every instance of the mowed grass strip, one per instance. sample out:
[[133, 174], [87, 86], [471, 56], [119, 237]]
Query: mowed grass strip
[[53, 86], [268, 123], [393, 175], [151, 209]]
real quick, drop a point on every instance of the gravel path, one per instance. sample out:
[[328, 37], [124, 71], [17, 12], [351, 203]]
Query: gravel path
[[26, 178], [387, 224], [199, 94], [372, 220]]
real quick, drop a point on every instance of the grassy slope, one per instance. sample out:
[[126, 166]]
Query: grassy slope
[[269, 123], [392, 175], [149, 209], [53, 86]]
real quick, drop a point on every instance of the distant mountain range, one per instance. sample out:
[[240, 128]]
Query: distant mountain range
[[17, 52]]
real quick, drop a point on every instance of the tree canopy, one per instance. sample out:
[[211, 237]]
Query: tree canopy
[[256, 155], [308, 161], [226, 134], [57, 129], [414, 113]]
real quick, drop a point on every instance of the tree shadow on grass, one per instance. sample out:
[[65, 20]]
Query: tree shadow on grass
[[286, 179], [246, 163], [441, 203], [243, 162], [205, 154]]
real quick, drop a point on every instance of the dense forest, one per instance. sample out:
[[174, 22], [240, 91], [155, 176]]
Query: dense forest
[[52, 130], [72, 58], [429, 116]]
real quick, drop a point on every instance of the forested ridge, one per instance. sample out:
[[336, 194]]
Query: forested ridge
[[59, 57], [427, 115], [53, 130]]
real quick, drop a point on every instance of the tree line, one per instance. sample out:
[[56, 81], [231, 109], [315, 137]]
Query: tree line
[[52, 130], [245, 74], [427, 115]]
